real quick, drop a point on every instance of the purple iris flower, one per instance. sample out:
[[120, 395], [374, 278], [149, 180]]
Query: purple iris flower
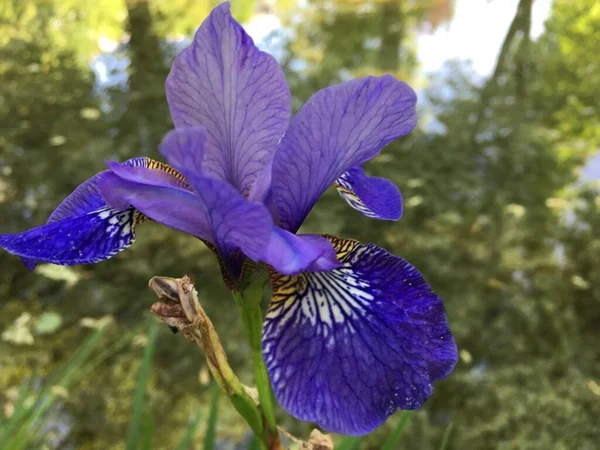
[[352, 333]]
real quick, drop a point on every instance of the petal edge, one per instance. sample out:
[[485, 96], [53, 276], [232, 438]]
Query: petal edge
[[347, 348], [224, 83], [339, 127]]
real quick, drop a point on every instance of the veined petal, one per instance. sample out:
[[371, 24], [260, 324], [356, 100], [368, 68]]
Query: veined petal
[[235, 221], [174, 207], [288, 253], [214, 212], [83, 200], [375, 197], [338, 127], [349, 347], [151, 172], [184, 148], [238, 93], [85, 238]]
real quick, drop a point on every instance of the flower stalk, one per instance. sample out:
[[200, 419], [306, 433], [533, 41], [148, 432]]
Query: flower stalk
[[180, 309], [249, 300]]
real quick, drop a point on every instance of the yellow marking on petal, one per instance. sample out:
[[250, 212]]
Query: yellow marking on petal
[[153, 164], [342, 246], [326, 299], [345, 190], [150, 163], [287, 287]]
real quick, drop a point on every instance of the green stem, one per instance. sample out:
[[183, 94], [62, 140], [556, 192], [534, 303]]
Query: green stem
[[249, 300]]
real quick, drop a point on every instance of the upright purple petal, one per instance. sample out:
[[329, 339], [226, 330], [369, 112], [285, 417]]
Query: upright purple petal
[[238, 93], [349, 347], [339, 127], [184, 148], [375, 197]]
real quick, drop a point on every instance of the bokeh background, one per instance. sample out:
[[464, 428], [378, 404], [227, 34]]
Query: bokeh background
[[500, 182]]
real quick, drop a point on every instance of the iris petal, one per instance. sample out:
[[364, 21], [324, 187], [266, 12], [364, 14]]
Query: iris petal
[[151, 172], [85, 238], [84, 199], [184, 148], [238, 93], [375, 197], [235, 221], [338, 127], [288, 253], [176, 208], [349, 347], [214, 211]]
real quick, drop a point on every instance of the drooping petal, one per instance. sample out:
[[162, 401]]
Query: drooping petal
[[339, 127], [84, 199], [238, 93], [288, 253], [348, 347], [375, 197], [85, 238]]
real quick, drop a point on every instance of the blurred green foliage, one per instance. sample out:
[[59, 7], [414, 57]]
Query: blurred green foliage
[[496, 217]]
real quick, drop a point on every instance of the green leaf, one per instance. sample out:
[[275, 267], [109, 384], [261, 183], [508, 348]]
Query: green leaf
[[446, 437], [147, 430], [186, 442], [19, 410], [140, 391], [211, 426], [391, 443]]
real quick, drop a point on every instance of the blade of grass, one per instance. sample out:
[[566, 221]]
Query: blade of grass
[[109, 351], [147, 430], [19, 411], [446, 437], [19, 406], [72, 367], [211, 426], [140, 390], [391, 443], [188, 437], [21, 431], [349, 443]]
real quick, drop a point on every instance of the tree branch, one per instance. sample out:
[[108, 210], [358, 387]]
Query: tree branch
[[521, 22]]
